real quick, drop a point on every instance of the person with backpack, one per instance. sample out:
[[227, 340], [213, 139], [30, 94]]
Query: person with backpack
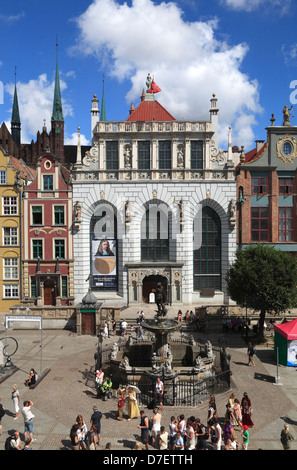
[[13, 442], [250, 353], [91, 439]]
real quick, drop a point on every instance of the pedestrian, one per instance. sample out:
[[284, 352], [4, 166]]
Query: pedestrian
[[250, 353], [286, 437], [210, 413], [200, 432], [159, 393], [91, 438], [228, 431], [145, 428], [237, 412], [179, 443], [28, 443], [108, 446], [81, 432], [229, 414], [15, 396], [181, 426], [245, 437], [133, 410], [190, 436], [217, 435], [140, 332], [172, 432], [74, 437], [156, 427], [124, 325], [163, 439], [246, 409], [96, 420], [13, 442], [28, 419], [121, 403], [179, 316], [32, 379], [2, 413], [114, 327]]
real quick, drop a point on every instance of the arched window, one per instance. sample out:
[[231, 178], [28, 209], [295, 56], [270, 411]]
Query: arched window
[[207, 258], [155, 233]]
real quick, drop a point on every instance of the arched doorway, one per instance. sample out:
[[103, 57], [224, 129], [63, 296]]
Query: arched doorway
[[149, 285]]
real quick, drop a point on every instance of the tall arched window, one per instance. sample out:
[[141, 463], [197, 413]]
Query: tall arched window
[[207, 258], [155, 233]]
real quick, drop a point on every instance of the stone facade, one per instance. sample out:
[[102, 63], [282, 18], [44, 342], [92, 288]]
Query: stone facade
[[126, 186]]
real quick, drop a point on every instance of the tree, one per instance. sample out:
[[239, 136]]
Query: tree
[[263, 278]]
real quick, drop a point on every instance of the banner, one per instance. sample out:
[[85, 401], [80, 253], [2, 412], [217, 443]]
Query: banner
[[104, 264]]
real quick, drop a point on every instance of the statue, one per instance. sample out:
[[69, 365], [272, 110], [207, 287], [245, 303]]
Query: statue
[[287, 115], [161, 300]]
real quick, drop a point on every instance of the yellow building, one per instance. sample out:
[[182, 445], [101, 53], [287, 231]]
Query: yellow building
[[14, 177]]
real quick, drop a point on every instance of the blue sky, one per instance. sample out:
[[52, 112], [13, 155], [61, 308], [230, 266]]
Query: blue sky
[[245, 51]]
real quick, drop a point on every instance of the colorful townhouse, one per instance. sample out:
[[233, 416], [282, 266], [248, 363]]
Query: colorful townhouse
[[267, 187], [14, 176]]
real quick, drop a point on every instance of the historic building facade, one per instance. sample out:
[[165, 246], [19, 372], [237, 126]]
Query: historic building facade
[[267, 185], [154, 202], [14, 174]]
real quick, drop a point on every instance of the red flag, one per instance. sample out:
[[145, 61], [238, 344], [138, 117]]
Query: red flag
[[154, 87]]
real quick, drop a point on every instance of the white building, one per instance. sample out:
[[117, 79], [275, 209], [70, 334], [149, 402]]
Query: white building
[[162, 194]]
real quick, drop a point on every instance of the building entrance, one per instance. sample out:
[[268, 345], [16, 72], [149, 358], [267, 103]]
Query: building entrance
[[149, 286]]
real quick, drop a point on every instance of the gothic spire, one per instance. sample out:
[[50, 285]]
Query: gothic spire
[[15, 118], [57, 105]]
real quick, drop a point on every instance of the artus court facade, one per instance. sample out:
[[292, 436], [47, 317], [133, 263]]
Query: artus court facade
[[154, 201]]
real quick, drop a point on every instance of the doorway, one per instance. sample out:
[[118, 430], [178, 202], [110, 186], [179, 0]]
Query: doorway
[[149, 285], [49, 292], [88, 323]]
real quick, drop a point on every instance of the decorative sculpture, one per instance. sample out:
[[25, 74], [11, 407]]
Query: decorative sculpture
[[161, 300]]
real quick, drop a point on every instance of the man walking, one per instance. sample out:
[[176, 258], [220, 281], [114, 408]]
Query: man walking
[[96, 421], [28, 419], [144, 426]]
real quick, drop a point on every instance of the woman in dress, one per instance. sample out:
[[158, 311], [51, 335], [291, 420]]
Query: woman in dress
[[16, 401], [237, 412], [133, 410], [246, 409]]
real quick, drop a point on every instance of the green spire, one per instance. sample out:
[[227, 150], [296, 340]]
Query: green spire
[[57, 106], [15, 117], [103, 111]]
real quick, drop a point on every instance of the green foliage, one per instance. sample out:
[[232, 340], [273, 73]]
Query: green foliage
[[263, 278]]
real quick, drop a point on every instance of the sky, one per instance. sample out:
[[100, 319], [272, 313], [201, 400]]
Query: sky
[[244, 51]]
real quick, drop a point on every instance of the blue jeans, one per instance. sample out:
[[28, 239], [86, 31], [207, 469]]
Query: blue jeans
[[29, 426]]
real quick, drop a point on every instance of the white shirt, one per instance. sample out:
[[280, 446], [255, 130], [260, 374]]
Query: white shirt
[[27, 413]]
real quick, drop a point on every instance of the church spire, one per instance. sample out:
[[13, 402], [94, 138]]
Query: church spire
[[103, 111], [15, 118], [57, 105]]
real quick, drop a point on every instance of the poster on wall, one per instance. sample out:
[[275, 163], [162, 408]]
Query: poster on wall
[[104, 264], [292, 353]]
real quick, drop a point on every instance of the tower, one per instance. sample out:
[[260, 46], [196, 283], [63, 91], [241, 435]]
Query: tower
[[57, 122], [15, 118]]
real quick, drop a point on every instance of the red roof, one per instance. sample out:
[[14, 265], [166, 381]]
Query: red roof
[[288, 330], [253, 155], [150, 111]]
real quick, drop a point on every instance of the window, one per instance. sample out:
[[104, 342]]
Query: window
[[112, 155], [259, 185], [48, 182], [11, 268], [2, 176], [259, 224], [60, 249], [164, 155], [207, 258], [36, 215], [37, 248], [11, 291], [285, 224], [59, 217], [33, 287], [10, 205], [285, 185], [287, 148], [155, 246], [143, 155], [64, 287], [10, 236], [196, 155]]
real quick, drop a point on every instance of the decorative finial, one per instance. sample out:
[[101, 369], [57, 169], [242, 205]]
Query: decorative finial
[[272, 120]]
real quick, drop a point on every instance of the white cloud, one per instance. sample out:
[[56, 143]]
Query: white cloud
[[72, 140], [186, 59], [36, 104], [282, 6]]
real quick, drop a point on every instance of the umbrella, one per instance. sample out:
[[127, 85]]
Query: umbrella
[[133, 388]]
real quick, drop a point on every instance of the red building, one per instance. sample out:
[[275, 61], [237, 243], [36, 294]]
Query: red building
[[47, 250]]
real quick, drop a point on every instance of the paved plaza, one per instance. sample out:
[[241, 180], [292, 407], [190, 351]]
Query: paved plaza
[[66, 391]]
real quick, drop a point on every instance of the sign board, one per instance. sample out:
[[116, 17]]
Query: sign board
[[23, 318]]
